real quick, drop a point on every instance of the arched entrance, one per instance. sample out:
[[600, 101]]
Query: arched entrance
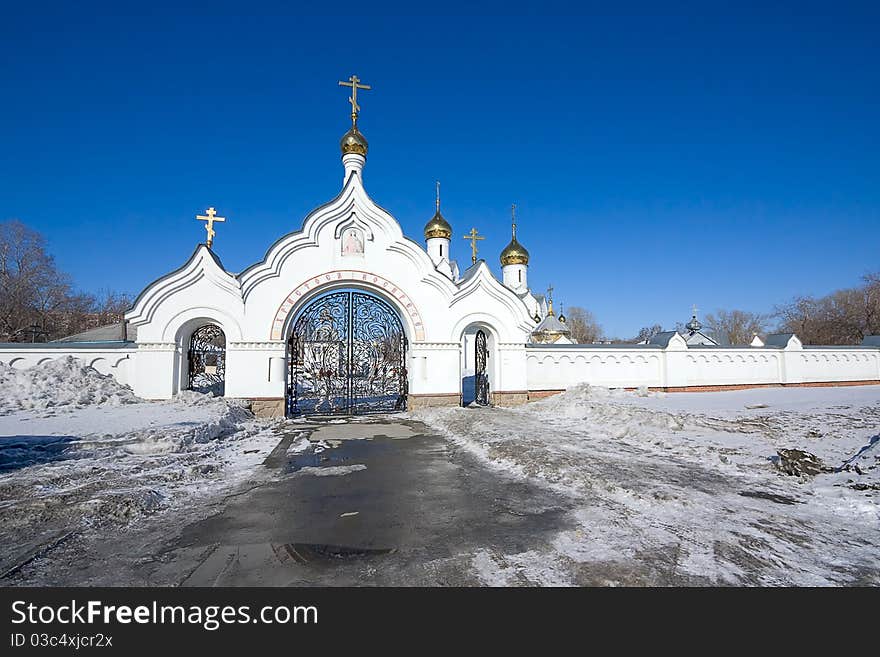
[[481, 374], [207, 360], [346, 355], [477, 375]]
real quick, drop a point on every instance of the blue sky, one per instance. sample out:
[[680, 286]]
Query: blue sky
[[674, 154]]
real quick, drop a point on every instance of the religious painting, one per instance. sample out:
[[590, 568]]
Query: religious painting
[[352, 242]]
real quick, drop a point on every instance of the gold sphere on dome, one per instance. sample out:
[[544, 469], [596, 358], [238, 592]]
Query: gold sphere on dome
[[514, 254], [438, 227], [354, 141]]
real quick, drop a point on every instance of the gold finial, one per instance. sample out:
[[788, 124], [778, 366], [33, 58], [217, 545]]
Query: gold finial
[[354, 83], [210, 218], [438, 196], [472, 236], [550, 300]]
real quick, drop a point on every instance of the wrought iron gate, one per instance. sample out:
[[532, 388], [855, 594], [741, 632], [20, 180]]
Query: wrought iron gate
[[347, 355], [207, 360], [481, 378]]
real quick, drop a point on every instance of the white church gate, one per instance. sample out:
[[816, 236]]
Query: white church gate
[[346, 355], [206, 359]]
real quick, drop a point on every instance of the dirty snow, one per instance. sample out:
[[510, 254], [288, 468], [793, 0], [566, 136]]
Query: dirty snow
[[63, 382], [79, 454], [684, 488], [331, 471]]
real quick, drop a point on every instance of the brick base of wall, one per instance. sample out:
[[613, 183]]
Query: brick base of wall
[[719, 388], [414, 402], [510, 397], [267, 407], [541, 394]]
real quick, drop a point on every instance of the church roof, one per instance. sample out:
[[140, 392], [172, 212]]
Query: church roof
[[778, 339], [551, 325], [111, 333]]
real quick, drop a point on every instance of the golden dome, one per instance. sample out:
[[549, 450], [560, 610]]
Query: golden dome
[[514, 254], [438, 227], [354, 141]]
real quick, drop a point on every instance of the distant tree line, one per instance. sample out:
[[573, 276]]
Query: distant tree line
[[38, 302], [840, 318]]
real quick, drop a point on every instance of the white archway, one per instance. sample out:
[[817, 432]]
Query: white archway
[[468, 357]]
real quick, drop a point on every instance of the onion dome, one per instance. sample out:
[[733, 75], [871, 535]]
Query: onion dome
[[694, 325], [561, 314], [514, 253], [438, 226], [354, 141]]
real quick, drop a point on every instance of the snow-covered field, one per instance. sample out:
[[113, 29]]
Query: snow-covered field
[[81, 454], [687, 488]]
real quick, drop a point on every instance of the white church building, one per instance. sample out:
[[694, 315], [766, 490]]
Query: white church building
[[349, 315]]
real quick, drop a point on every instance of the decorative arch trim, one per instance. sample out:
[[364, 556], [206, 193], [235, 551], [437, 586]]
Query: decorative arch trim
[[355, 277]]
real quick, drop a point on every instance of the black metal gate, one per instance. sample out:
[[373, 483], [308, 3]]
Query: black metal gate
[[347, 355], [207, 360], [481, 378]]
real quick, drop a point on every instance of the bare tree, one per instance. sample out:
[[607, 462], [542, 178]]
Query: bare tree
[[583, 325], [647, 332], [31, 287], [842, 317], [36, 299], [735, 327]]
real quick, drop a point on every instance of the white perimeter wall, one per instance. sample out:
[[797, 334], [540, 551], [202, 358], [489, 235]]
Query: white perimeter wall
[[557, 368], [117, 362]]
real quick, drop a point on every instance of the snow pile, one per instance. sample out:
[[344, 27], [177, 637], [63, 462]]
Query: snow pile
[[690, 488], [119, 460], [63, 382]]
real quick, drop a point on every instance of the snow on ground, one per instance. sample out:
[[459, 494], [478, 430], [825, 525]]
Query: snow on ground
[[684, 488], [80, 452]]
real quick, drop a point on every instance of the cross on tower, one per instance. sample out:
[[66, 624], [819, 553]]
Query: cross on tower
[[695, 309], [472, 236], [513, 218], [550, 300], [354, 83], [210, 218], [438, 196]]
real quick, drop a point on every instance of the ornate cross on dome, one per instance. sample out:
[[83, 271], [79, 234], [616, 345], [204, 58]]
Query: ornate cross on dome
[[438, 196], [513, 218], [695, 309], [550, 300], [209, 226], [354, 83], [472, 236]]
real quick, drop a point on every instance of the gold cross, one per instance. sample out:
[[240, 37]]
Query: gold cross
[[550, 300], [353, 99], [472, 236], [210, 218]]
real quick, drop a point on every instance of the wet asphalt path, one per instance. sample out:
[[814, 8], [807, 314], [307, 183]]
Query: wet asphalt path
[[412, 511]]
